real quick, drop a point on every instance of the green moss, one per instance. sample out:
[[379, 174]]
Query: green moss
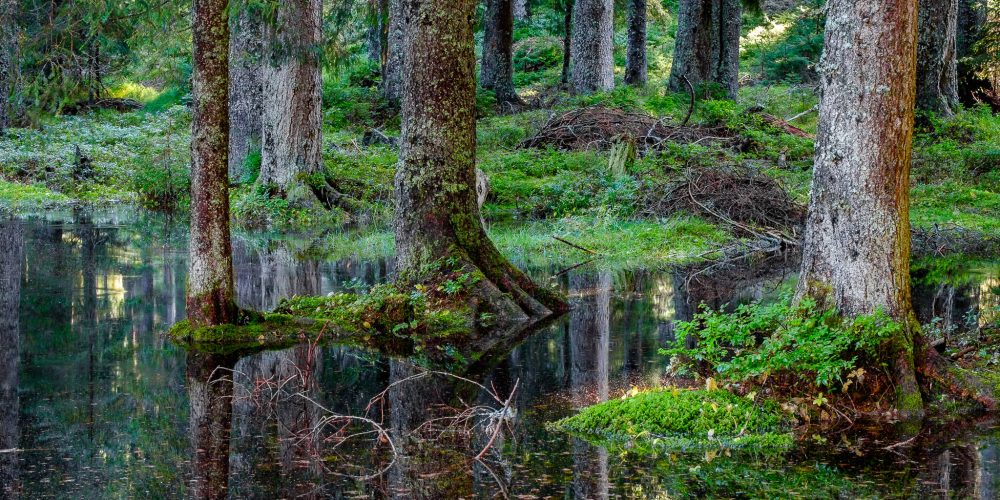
[[685, 420], [22, 196]]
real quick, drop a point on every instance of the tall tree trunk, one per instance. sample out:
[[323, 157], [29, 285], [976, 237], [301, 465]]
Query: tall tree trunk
[[245, 97], [522, 11], [972, 19], [376, 37], [567, 38], [937, 65], [592, 51], [707, 48], [210, 298], [291, 140], [635, 62], [437, 214], [392, 75], [11, 264], [498, 59], [8, 62], [856, 254]]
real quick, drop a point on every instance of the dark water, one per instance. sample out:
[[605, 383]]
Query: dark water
[[94, 403]]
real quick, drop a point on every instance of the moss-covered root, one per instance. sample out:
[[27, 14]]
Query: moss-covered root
[[935, 369], [679, 419]]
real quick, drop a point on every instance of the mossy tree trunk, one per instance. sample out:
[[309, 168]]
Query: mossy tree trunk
[[707, 48], [292, 140], [635, 62], [210, 298], [11, 264], [8, 62], [497, 69], [437, 214], [856, 249], [592, 48], [245, 96], [937, 64]]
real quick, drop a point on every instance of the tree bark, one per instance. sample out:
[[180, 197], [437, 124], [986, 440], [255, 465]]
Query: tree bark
[[245, 97], [291, 140], [392, 75], [11, 264], [377, 31], [707, 48], [8, 62], [498, 58], [522, 10], [972, 19], [437, 215], [567, 38], [592, 50], [856, 252], [210, 299], [635, 62], [937, 64]]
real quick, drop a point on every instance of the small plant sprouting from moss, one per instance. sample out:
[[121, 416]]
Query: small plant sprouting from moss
[[811, 344], [682, 419]]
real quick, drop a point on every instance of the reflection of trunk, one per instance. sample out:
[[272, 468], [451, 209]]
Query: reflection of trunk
[[11, 263], [952, 473], [985, 472], [210, 392], [409, 406], [88, 250], [589, 326], [265, 277]]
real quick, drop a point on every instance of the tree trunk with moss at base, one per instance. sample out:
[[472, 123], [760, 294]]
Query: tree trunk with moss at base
[[437, 216], [707, 50], [498, 61], [856, 251], [292, 140], [210, 297]]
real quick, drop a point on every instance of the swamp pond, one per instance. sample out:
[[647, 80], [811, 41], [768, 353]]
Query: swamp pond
[[98, 404]]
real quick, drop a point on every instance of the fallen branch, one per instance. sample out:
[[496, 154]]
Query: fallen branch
[[574, 245]]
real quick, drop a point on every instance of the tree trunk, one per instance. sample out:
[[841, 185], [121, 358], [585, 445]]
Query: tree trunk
[[498, 59], [245, 98], [635, 62], [392, 76], [8, 62], [592, 51], [972, 19], [210, 299], [291, 140], [11, 264], [937, 65], [707, 49], [377, 30], [437, 215], [567, 38], [856, 253], [521, 10]]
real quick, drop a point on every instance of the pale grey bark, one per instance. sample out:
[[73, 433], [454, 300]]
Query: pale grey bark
[[592, 46], [392, 74], [291, 139], [635, 61], [521, 10], [8, 62], [856, 249], [11, 265], [245, 98], [937, 64], [707, 47]]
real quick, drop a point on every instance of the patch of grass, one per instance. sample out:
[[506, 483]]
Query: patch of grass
[[685, 420], [16, 196]]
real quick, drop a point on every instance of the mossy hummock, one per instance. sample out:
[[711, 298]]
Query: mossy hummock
[[685, 420]]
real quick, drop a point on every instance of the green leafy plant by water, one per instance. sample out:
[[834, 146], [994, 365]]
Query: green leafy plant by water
[[812, 344]]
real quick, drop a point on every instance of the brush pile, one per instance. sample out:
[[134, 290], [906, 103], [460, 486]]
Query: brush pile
[[752, 203], [599, 128]]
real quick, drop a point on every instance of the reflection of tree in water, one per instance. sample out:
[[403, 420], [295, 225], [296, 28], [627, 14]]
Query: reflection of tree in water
[[589, 330], [11, 263], [210, 394]]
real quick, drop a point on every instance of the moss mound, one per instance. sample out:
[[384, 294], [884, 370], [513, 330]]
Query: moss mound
[[679, 419]]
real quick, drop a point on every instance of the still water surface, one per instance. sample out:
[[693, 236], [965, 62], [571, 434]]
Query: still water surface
[[95, 403]]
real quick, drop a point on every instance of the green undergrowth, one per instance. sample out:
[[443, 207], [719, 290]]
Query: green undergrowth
[[18, 197], [810, 344], [684, 420]]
